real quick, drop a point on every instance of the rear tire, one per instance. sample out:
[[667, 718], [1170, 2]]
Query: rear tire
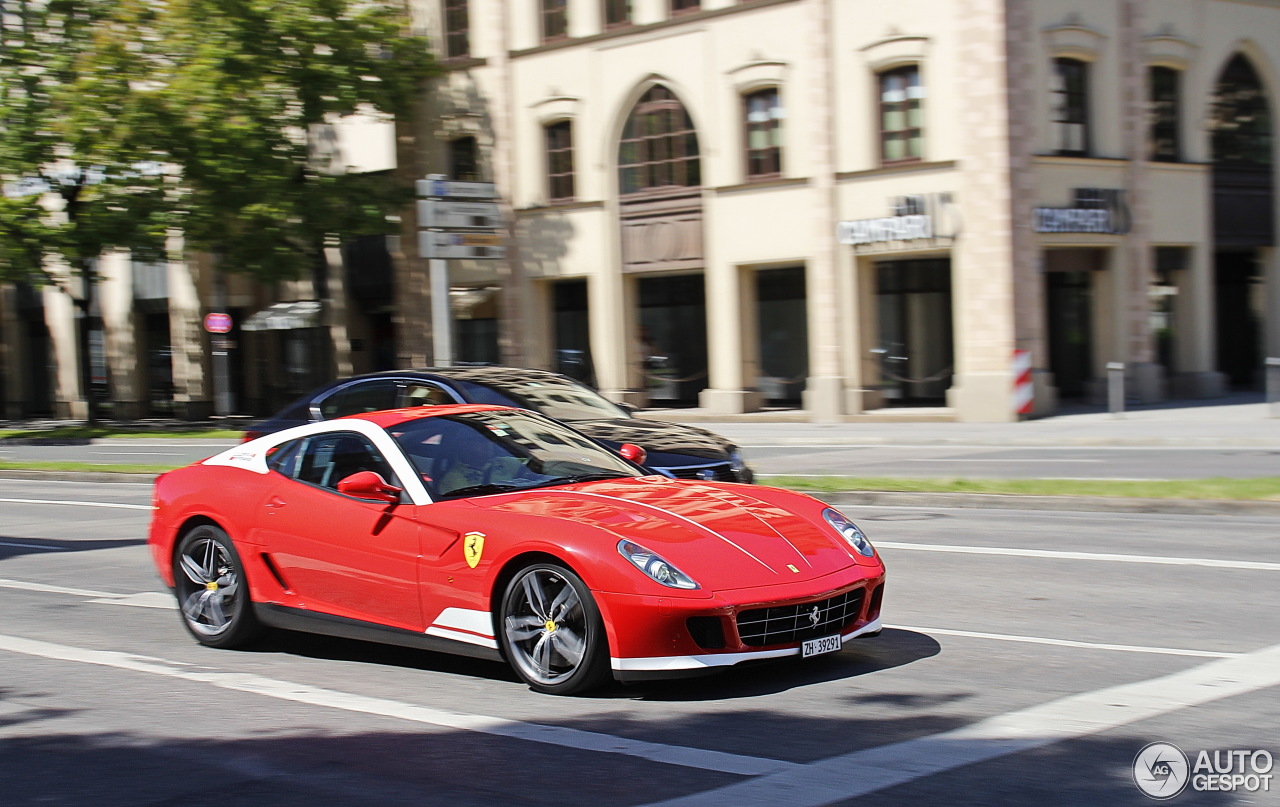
[[213, 595], [551, 631]]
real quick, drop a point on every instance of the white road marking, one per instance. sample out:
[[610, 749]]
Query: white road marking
[[23, 585], [165, 454], [974, 459], [1126, 648], [145, 599], [303, 693], [116, 505], [849, 776], [1215, 563]]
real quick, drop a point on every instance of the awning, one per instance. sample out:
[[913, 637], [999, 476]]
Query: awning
[[285, 316]]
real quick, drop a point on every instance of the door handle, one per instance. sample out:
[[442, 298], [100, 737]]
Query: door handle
[[274, 502]]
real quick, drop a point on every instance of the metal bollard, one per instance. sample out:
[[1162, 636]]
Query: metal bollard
[[1273, 386], [1115, 388]]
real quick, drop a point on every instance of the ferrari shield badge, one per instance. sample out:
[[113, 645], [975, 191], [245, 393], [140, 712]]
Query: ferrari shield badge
[[473, 547]]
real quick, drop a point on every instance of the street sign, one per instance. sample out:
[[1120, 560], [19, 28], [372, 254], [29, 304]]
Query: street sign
[[476, 246], [452, 188], [217, 323], [453, 215]]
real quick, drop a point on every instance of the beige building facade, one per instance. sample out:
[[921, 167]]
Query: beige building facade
[[850, 207], [845, 208]]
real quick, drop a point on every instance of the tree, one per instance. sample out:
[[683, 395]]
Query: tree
[[245, 85], [141, 117], [78, 176]]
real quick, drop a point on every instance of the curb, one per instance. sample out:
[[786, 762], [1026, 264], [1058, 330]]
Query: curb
[[1096, 504], [872, 498]]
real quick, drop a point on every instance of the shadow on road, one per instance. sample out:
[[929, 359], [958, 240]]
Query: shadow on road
[[17, 547]]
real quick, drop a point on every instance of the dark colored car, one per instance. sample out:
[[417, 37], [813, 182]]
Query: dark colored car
[[674, 449]]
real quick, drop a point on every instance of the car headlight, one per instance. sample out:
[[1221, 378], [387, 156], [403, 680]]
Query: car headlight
[[850, 532], [656, 566], [736, 462]]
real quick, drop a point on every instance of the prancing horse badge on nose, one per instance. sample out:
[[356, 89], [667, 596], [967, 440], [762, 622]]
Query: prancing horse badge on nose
[[473, 547]]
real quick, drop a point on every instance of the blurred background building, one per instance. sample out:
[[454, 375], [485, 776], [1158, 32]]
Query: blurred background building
[[847, 207]]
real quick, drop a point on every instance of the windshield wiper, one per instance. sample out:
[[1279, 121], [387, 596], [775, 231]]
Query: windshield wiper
[[591, 477], [482, 490]]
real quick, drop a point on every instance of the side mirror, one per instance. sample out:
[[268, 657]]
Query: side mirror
[[629, 408], [369, 485], [633, 452]]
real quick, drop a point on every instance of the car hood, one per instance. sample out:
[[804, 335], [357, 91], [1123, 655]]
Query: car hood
[[721, 535], [658, 437]]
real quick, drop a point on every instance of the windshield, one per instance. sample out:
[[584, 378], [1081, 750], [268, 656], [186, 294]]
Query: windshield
[[560, 399], [478, 453]]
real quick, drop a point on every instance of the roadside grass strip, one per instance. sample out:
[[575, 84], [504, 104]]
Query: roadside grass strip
[[1266, 488]]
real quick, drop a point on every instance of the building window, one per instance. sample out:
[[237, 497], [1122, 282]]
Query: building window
[[464, 162], [1162, 99], [560, 161], [1241, 125], [616, 13], [555, 19], [659, 145], [901, 118], [457, 35], [1070, 106], [764, 134], [684, 6]]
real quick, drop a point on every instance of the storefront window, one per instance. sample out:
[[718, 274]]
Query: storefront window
[[915, 353]]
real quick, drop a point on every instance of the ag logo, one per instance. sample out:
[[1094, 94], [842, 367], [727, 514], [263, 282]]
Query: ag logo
[[473, 547], [1160, 770]]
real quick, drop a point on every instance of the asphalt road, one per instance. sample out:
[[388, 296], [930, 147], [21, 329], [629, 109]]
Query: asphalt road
[[1017, 462], [1031, 656]]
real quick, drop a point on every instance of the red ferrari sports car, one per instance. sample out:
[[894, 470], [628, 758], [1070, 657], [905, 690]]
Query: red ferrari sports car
[[503, 534]]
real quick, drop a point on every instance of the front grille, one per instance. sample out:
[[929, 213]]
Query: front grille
[[718, 472], [785, 624]]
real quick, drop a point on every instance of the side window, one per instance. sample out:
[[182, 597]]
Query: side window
[[328, 459], [417, 393], [283, 458], [370, 396], [479, 393]]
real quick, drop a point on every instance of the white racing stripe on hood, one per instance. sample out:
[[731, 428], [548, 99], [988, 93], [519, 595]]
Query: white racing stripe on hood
[[677, 516], [722, 496]]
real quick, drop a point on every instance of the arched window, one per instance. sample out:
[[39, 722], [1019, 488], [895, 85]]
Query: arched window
[[659, 145], [1241, 124]]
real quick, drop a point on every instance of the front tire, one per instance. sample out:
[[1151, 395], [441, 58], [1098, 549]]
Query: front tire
[[551, 631], [213, 596]]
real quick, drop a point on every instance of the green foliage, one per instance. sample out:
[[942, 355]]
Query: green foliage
[[70, 159], [144, 116]]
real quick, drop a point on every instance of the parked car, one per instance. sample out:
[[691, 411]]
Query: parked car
[[503, 534], [674, 449]]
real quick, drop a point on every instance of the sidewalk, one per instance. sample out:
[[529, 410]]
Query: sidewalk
[[1238, 420]]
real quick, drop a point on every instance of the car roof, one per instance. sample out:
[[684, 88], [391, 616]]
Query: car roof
[[480, 374], [394, 417]]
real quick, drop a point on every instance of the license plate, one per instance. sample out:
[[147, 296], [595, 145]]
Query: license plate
[[816, 647]]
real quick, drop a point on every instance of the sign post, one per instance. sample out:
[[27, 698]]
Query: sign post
[[218, 324], [459, 225]]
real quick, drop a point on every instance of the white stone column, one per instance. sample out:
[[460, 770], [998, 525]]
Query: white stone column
[[613, 332], [123, 357], [984, 261], [192, 392], [336, 310], [61, 317], [824, 392], [726, 355]]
